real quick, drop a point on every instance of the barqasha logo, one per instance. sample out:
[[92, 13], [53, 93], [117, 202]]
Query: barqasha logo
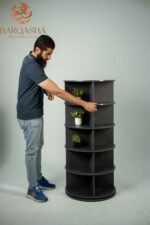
[[21, 13]]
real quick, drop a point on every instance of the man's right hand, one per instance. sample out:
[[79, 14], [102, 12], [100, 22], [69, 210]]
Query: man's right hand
[[90, 106]]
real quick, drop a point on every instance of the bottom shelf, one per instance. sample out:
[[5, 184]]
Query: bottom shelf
[[90, 188], [103, 194]]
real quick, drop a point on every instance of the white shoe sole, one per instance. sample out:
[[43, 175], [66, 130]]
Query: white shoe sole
[[46, 188], [36, 200]]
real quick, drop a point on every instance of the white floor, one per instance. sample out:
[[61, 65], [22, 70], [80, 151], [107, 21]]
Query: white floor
[[130, 206]]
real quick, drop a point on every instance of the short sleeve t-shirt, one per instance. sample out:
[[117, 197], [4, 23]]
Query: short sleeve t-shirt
[[30, 94]]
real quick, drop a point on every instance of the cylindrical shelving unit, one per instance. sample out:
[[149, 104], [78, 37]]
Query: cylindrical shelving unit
[[90, 166]]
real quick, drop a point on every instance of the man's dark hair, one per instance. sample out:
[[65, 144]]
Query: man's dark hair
[[43, 42]]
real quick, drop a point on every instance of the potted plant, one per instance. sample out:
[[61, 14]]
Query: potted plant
[[76, 140], [77, 92], [77, 115]]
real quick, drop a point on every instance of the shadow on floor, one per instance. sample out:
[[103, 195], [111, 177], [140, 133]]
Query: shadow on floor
[[12, 190]]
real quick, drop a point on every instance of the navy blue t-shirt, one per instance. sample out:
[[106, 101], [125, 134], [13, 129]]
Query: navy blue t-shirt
[[30, 94]]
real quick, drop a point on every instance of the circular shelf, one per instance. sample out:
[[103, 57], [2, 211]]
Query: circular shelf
[[103, 194], [90, 165], [87, 81], [87, 127], [103, 171], [87, 149], [98, 103]]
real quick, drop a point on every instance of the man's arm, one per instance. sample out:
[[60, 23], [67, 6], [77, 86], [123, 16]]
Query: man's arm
[[52, 87]]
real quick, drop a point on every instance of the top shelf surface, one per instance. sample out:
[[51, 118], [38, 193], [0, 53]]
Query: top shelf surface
[[89, 81]]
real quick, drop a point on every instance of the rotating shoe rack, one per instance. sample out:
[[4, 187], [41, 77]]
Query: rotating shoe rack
[[90, 167]]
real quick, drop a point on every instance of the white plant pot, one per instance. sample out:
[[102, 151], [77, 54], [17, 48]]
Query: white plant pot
[[78, 121]]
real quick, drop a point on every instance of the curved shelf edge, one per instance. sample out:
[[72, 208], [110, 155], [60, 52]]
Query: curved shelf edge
[[98, 127], [88, 150], [98, 103], [103, 171], [103, 195], [105, 103], [86, 81]]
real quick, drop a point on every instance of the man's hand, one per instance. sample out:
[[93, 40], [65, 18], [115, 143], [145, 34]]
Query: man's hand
[[49, 95], [90, 106]]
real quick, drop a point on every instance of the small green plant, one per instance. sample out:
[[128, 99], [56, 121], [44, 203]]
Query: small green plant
[[76, 138], [78, 113], [77, 92]]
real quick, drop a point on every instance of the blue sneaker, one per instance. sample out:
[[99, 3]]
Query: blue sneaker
[[45, 184], [36, 194]]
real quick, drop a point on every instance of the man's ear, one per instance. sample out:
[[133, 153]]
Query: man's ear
[[37, 50]]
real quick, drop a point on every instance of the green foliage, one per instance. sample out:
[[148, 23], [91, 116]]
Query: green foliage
[[76, 138], [77, 92], [78, 113]]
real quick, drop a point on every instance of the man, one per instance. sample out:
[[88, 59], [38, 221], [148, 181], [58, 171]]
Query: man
[[33, 83]]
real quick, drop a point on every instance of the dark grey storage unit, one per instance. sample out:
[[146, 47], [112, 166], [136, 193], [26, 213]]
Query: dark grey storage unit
[[90, 167]]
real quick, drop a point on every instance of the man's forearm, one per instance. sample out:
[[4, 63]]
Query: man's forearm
[[53, 88], [66, 96]]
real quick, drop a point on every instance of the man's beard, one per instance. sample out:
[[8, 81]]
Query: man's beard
[[41, 61]]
